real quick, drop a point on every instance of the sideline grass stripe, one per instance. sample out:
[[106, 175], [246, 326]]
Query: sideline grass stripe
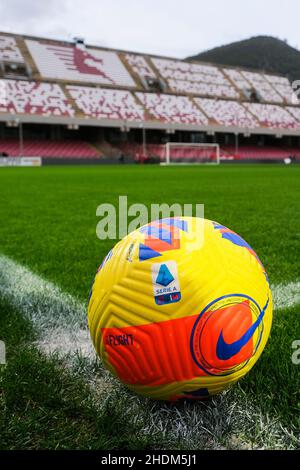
[[60, 321]]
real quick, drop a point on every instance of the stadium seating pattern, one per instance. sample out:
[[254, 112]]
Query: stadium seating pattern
[[46, 148], [171, 108], [259, 153], [9, 51], [106, 103], [107, 84], [47, 99], [283, 87], [194, 78], [272, 115], [140, 66], [75, 64], [294, 111], [227, 113], [264, 89], [177, 154], [198, 88], [227, 152], [238, 79]]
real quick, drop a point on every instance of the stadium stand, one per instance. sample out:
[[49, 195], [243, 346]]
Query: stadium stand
[[100, 95], [271, 88], [273, 116], [135, 150], [157, 152], [259, 153], [294, 111], [72, 63], [140, 66], [50, 149], [262, 87], [193, 78], [239, 81], [228, 152], [9, 51], [171, 108], [106, 103], [227, 113], [24, 97], [283, 88]]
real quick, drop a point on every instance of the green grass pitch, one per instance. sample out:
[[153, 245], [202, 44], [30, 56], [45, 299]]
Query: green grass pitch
[[48, 224]]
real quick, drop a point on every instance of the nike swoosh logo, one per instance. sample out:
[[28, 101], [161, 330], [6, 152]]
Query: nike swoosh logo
[[226, 351]]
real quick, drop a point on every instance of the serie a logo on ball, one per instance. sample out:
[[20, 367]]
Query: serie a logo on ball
[[180, 309]]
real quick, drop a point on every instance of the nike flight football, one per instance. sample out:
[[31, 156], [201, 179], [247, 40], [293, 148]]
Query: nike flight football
[[180, 309]]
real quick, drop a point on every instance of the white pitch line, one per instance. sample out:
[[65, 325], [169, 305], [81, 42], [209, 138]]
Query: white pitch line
[[60, 319], [286, 295]]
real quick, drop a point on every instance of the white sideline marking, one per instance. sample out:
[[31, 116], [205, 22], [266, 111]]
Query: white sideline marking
[[60, 319], [286, 295]]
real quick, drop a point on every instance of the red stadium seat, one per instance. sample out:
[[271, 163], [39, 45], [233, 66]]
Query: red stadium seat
[[47, 148]]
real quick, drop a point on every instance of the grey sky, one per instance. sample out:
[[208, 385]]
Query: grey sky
[[168, 27]]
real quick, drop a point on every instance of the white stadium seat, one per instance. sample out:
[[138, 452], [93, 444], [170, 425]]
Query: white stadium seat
[[140, 66], [171, 108], [227, 113], [283, 87], [194, 78], [272, 115], [22, 97], [294, 111], [266, 91], [238, 79], [265, 85], [106, 103], [9, 51], [83, 65]]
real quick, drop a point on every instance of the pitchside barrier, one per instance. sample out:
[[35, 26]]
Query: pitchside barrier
[[20, 161]]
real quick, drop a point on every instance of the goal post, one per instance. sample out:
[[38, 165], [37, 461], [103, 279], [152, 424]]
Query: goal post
[[187, 154]]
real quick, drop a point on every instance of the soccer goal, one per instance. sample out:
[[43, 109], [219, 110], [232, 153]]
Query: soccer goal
[[188, 154]]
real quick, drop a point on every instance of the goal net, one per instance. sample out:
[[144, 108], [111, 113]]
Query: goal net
[[178, 153]]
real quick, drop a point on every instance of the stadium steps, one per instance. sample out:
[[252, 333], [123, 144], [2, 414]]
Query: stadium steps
[[211, 121], [72, 101], [148, 115], [276, 91], [28, 58], [241, 97], [131, 71], [158, 74], [139, 83], [106, 149]]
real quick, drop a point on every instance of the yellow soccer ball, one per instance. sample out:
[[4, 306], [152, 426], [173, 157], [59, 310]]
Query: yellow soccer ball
[[180, 308]]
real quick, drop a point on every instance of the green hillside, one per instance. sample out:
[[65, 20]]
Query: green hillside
[[261, 53]]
